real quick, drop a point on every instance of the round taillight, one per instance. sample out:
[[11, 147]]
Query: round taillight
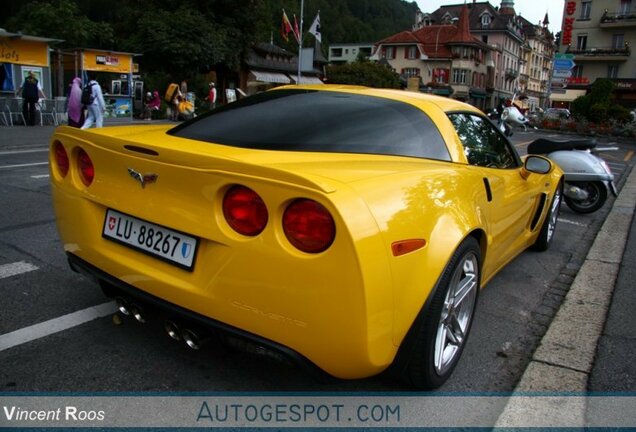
[[61, 158], [86, 168], [309, 226], [244, 211]]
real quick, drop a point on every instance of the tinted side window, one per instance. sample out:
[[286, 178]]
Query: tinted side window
[[483, 144], [321, 121]]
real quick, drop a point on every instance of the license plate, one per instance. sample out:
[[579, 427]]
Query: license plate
[[169, 245]]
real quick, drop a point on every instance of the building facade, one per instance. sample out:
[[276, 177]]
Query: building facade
[[519, 60], [536, 64], [447, 58], [475, 52], [599, 35], [349, 52]]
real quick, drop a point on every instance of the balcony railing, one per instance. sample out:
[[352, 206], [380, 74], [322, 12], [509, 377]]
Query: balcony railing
[[618, 19], [601, 51], [512, 73]]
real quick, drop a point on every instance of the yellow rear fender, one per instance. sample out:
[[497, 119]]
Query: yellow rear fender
[[439, 208]]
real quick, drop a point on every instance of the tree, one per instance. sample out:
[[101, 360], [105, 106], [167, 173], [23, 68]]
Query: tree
[[363, 73], [62, 20], [597, 106]]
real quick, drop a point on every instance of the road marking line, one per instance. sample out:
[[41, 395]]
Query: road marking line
[[56, 325], [16, 268], [12, 152], [572, 222], [628, 156], [40, 176], [23, 165]]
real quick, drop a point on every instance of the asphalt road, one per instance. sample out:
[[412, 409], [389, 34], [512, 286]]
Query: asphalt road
[[104, 355]]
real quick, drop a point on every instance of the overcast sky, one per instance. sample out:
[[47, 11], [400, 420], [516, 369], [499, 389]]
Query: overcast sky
[[532, 10]]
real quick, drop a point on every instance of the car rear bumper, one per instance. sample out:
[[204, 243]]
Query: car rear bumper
[[162, 309]]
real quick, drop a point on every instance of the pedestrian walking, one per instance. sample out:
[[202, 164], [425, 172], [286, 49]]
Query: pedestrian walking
[[74, 107], [212, 96], [152, 103], [31, 93], [93, 98]]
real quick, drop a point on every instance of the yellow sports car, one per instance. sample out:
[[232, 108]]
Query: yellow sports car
[[346, 227]]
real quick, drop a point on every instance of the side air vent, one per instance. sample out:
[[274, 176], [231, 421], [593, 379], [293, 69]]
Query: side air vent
[[535, 220], [488, 191]]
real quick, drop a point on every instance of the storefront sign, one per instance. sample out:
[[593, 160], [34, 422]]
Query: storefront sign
[[578, 80], [625, 85], [568, 22], [24, 52], [107, 62]]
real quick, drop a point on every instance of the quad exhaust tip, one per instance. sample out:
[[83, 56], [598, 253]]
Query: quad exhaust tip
[[191, 339], [189, 336], [137, 312], [122, 305], [130, 309], [172, 329]]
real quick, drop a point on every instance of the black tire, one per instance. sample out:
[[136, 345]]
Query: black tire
[[442, 330], [546, 234], [597, 196]]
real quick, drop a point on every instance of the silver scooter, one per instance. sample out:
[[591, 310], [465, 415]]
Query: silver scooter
[[587, 176]]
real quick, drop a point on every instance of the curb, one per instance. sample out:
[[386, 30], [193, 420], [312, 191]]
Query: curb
[[564, 359]]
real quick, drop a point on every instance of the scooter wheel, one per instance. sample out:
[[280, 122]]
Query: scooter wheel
[[597, 195]]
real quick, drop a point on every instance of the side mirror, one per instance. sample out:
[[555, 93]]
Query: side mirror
[[537, 165]]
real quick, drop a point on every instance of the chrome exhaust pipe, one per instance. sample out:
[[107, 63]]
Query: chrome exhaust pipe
[[172, 329], [137, 312], [122, 305], [191, 339]]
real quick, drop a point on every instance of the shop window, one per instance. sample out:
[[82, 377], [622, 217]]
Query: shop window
[[577, 72], [581, 42], [410, 72], [618, 41], [586, 7], [612, 71], [6, 77], [626, 7], [460, 76]]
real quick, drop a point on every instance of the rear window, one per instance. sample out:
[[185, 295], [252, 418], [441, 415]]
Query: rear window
[[320, 121]]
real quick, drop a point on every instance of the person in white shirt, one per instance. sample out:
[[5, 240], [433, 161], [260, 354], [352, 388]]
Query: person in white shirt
[[97, 107]]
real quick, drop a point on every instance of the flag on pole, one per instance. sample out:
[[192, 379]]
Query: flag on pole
[[315, 28], [286, 27], [296, 30]]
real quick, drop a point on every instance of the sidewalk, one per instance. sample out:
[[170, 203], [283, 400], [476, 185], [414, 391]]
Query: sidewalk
[[591, 343]]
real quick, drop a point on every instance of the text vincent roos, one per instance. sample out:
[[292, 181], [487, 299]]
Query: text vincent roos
[[69, 413]]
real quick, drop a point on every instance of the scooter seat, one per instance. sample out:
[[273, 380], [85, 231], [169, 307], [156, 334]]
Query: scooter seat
[[544, 146]]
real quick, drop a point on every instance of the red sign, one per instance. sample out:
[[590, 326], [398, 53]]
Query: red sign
[[568, 22], [578, 80]]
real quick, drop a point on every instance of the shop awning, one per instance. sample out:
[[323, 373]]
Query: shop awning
[[444, 91], [307, 79], [271, 77]]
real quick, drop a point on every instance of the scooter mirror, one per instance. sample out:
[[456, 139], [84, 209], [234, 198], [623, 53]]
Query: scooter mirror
[[537, 164]]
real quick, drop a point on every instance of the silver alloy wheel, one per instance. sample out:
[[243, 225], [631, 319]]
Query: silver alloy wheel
[[457, 312], [554, 213]]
